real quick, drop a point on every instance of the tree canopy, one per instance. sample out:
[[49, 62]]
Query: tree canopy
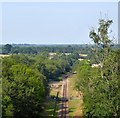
[[100, 85]]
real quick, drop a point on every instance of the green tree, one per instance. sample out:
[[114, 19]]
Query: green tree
[[24, 89], [6, 49], [100, 86]]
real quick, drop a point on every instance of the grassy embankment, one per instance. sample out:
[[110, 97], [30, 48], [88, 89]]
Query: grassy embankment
[[75, 100], [50, 103]]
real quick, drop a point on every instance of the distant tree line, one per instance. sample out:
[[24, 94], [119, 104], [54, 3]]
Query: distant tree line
[[29, 49]]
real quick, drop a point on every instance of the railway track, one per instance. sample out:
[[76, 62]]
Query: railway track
[[64, 101], [63, 111]]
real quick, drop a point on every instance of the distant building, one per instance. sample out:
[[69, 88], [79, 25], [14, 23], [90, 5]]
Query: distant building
[[80, 59], [83, 55], [96, 65], [67, 53], [52, 54]]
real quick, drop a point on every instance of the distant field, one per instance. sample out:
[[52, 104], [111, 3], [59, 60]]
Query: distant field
[[3, 55]]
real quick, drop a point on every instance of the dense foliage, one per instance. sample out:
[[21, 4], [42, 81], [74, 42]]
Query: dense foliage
[[25, 81], [100, 85], [23, 87]]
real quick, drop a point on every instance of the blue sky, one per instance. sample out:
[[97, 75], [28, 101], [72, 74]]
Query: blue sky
[[54, 23]]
